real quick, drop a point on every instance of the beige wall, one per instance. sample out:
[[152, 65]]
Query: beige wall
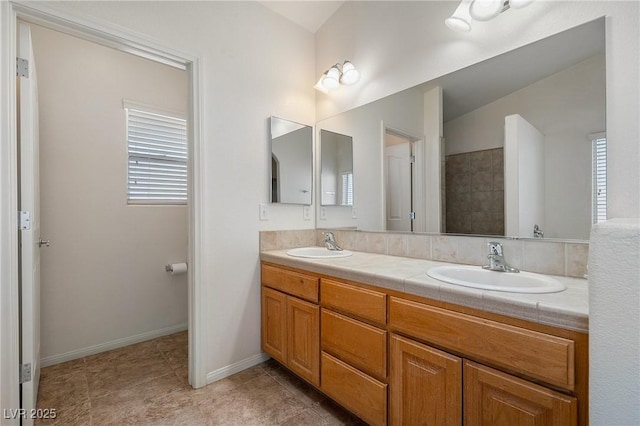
[[103, 277]]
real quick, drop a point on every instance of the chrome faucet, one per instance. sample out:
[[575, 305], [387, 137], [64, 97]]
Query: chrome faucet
[[537, 232], [496, 259], [330, 241]]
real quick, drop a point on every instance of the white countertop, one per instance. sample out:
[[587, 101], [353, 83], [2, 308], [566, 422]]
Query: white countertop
[[568, 309]]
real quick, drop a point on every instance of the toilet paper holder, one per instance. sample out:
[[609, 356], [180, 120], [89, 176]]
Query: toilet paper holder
[[171, 266]]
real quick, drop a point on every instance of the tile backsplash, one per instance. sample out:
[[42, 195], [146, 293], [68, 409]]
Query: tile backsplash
[[542, 256]]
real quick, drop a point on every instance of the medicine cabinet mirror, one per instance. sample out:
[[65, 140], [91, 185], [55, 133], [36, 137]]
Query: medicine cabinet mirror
[[336, 169], [291, 171]]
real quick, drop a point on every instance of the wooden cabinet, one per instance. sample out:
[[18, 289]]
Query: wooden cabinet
[[494, 398], [425, 385], [405, 360], [291, 326]]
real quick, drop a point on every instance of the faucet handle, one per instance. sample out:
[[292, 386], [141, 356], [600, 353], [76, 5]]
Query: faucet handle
[[495, 248], [328, 236]]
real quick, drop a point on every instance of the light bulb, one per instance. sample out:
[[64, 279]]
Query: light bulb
[[350, 75], [460, 20], [331, 78], [319, 85], [519, 4], [484, 10]]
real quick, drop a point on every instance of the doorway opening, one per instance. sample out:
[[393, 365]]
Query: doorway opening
[[118, 39]]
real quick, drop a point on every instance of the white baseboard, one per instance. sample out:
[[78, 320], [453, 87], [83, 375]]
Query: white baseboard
[[114, 344], [237, 367]]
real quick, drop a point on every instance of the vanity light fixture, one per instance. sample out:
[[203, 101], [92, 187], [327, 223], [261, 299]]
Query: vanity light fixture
[[480, 10], [345, 74]]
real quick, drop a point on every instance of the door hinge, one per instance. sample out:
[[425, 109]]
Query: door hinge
[[22, 68], [24, 220], [25, 373], [412, 215], [412, 159]]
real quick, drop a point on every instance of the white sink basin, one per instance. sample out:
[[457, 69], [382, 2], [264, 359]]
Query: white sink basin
[[318, 253], [476, 277]]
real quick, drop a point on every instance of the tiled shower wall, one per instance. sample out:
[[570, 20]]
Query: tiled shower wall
[[533, 255], [474, 183]]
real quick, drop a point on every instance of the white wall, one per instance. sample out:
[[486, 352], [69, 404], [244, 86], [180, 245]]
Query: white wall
[[103, 278], [614, 315], [566, 107], [255, 64], [397, 45], [403, 112]]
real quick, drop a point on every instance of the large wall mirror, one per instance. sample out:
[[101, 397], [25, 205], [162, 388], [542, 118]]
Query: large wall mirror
[[503, 147], [291, 171], [336, 169]]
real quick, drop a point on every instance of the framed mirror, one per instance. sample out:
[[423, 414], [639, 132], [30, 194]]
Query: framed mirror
[[291, 171], [336, 169], [469, 174]]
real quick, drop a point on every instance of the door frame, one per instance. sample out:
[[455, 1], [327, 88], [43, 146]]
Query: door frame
[[125, 40]]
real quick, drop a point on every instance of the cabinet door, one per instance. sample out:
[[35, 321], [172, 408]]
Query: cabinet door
[[274, 324], [303, 341], [494, 398], [425, 385]]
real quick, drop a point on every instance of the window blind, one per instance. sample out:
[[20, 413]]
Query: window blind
[[157, 158], [599, 179], [347, 189]]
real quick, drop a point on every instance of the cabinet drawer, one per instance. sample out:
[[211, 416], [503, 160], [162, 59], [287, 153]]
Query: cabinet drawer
[[294, 283], [359, 344], [363, 395], [536, 355], [360, 302]]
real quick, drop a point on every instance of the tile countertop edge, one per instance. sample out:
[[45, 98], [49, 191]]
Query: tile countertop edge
[[568, 309]]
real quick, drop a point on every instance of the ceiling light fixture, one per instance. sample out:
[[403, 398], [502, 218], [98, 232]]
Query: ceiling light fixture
[[345, 74], [480, 10]]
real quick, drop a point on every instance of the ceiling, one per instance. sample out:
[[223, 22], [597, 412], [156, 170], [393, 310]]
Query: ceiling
[[470, 88], [310, 15]]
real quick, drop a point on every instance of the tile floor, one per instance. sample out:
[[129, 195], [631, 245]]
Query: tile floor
[[146, 384]]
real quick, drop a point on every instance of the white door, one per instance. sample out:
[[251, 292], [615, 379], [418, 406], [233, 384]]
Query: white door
[[29, 201], [398, 187], [524, 194]]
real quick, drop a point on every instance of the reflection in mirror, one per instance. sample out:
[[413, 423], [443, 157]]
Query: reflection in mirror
[[400, 180], [291, 162], [510, 144], [336, 169]]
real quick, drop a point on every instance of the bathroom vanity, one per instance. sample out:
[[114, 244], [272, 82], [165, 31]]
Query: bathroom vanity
[[394, 346]]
